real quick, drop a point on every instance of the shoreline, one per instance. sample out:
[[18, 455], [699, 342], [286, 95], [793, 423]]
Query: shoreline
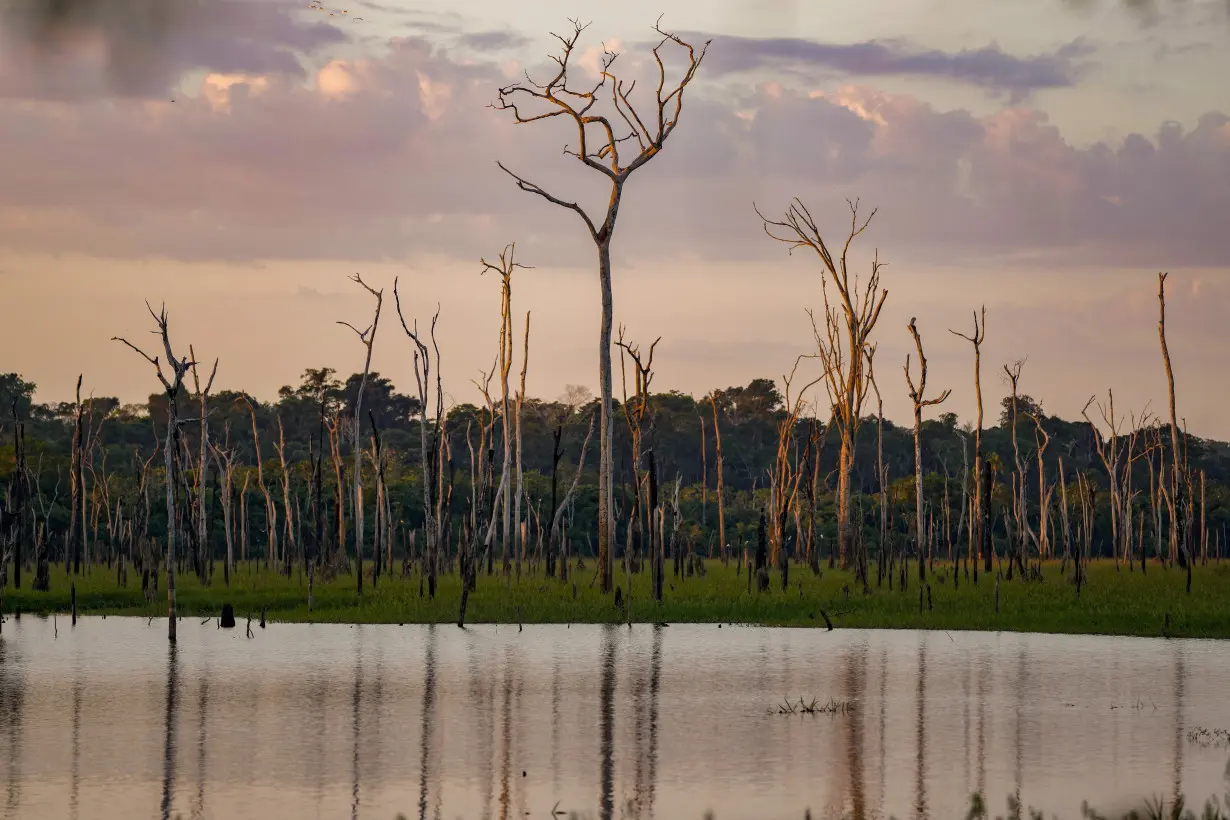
[[1116, 602]]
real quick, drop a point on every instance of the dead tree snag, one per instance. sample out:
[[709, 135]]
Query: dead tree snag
[[172, 386], [842, 344], [577, 107], [916, 396]]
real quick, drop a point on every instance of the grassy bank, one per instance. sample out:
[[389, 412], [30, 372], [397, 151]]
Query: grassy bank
[[1115, 602]]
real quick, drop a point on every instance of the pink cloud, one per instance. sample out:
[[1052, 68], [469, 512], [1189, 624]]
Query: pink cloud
[[392, 155]]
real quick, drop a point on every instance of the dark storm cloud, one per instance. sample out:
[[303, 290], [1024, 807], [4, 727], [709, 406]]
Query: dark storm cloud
[[987, 67], [74, 49]]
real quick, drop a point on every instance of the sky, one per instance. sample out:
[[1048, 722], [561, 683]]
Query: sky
[[240, 159]]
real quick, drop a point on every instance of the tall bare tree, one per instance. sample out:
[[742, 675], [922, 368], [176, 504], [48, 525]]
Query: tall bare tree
[[842, 343], [76, 480], [1178, 449], [978, 532], [504, 268], [577, 106], [171, 386], [428, 457], [368, 338], [917, 397]]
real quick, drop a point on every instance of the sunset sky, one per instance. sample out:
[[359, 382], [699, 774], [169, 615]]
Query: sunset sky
[[240, 159]]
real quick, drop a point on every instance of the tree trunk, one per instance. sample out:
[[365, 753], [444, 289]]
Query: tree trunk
[[169, 466], [721, 487], [606, 475]]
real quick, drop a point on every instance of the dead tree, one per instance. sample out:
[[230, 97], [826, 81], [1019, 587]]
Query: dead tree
[[1204, 525], [520, 491], [1020, 497], [333, 425], [916, 396], [179, 368], [368, 339], [203, 461], [558, 509], [1063, 512], [271, 510], [577, 107], [979, 534], [288, 541], [381, 532], [786, 472], [17, 510], [841, 345], [504, 269], [881, 470], [428, 457], [76, 483], [1042, 439], [224, 455], [1178, 449], [1111, 453], [721, 486], [644, 504]]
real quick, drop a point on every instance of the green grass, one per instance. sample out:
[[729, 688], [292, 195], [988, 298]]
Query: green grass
[[1114, 602]]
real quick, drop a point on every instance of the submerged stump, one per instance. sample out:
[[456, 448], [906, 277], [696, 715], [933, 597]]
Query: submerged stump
[[228, 617]]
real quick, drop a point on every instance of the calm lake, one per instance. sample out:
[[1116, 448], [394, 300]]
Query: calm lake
[[104, 721]]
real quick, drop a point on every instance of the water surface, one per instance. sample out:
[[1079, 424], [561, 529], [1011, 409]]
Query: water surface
[[313, 721]]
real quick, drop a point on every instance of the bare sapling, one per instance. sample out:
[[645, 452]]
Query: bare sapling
[[917, 397], [645, 137], [368, 339], [841, 345], [978, 532], [172, 386]]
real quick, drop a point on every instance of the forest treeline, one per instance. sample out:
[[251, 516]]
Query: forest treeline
[[100, 459]]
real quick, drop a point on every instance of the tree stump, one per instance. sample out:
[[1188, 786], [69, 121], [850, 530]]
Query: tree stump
[[228, 616]]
